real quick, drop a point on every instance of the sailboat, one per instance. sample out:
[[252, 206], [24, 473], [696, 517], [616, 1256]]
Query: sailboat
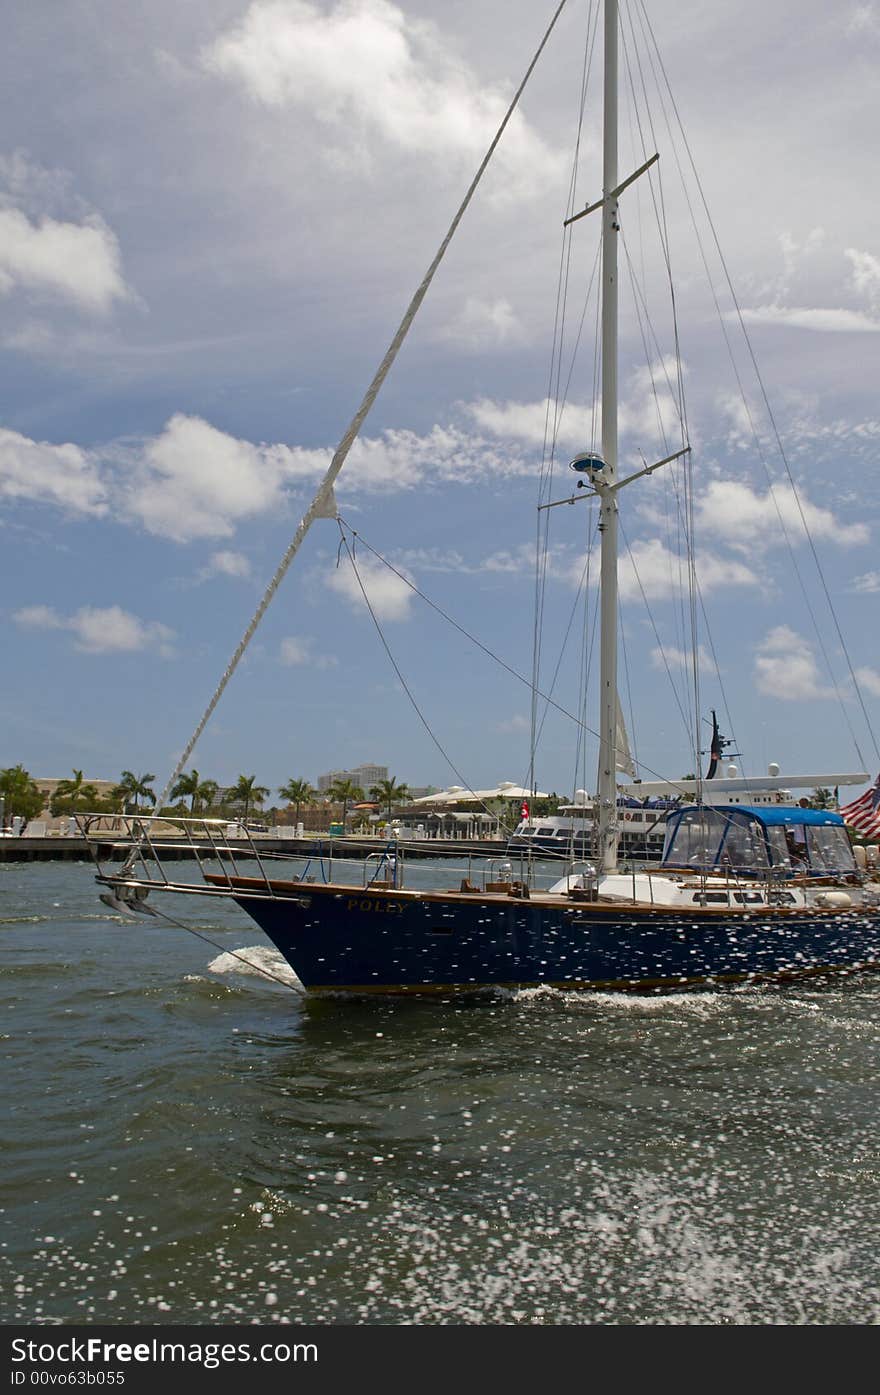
[[744, 891]]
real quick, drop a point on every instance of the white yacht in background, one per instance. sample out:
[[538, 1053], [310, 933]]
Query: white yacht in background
[[643, 808]]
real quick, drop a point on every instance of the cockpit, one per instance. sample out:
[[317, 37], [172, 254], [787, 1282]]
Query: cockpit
[[753, 842]]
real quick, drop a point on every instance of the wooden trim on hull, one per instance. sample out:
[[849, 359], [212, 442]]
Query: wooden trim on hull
[[601, 906]]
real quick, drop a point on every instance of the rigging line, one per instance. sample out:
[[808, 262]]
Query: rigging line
[[674, 392], [597, 359], [633, 109], [582, 584], [406, 688], [678, 701], [674, 545], [640, 302], [472, 639], [686, 519], [323, 497], [550, 436], [549, 455], [663, 230], [660, 215], [255, 968], [728, 344], [629, 700], [520, 678], [689, 465], [548, 450], [775, 430], [642, 310], [543, 549]]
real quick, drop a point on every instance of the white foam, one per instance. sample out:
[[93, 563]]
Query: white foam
[[703, 1003], [255, 961]]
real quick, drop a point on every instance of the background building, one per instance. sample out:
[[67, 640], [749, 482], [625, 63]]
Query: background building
[[363, 775]]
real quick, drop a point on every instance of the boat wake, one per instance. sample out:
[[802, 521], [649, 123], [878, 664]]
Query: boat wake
[[255, 961]]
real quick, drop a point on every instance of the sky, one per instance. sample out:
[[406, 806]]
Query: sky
[[212, 217]]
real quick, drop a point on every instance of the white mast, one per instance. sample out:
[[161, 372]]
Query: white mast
[[605, 482]]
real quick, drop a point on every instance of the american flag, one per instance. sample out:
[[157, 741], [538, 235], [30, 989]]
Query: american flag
[[864, 812]]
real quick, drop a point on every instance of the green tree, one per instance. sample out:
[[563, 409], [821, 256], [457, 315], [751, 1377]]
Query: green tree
[[389, 792], [246, 791], [345, 792], [69, 794], [133, 788], [297, 792], [19, 793], [822, 799], [200, 793]]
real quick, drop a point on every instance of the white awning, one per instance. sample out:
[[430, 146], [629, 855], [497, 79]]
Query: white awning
[[457, 794]]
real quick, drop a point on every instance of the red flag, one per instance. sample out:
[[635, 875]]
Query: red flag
[[524, 811]]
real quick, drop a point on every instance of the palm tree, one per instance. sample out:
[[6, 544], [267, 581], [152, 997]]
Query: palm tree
[[297, 792], [389, 792], [345, 792], [68, 793], [133, 788], [246, 791], [201, 793]]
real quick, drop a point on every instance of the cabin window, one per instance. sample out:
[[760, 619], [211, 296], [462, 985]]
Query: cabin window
[[829, 848], [694, 841], [711, 898], [779, 854], [744, 846], [748, 898]]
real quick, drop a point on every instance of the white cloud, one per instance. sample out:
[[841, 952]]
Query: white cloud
[[869, 680], [865, 275], [484, 324], [38, 617], [228, 564], [295, 650], [868, 582], [647, 410], [533, 421], [194, 481], [744, 518], [364, 63], [513, 726], [61, 475], [78, 261], [108, 630], [798, 279], [863, 20], [675, 658], [522, 559], [825, 321], [389, 596], [785, 667], [662, 573]]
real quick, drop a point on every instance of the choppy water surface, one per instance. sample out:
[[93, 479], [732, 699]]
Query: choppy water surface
[[189, 1142]]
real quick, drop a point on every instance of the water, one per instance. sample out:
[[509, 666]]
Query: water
[[188, 1142]]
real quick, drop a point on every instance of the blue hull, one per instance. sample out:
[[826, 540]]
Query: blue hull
[[338, 938]]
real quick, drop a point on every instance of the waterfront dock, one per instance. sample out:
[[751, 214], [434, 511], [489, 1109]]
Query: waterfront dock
[[172, 847]]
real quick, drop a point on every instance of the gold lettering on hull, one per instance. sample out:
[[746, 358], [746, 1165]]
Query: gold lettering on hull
[[366, 903]]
